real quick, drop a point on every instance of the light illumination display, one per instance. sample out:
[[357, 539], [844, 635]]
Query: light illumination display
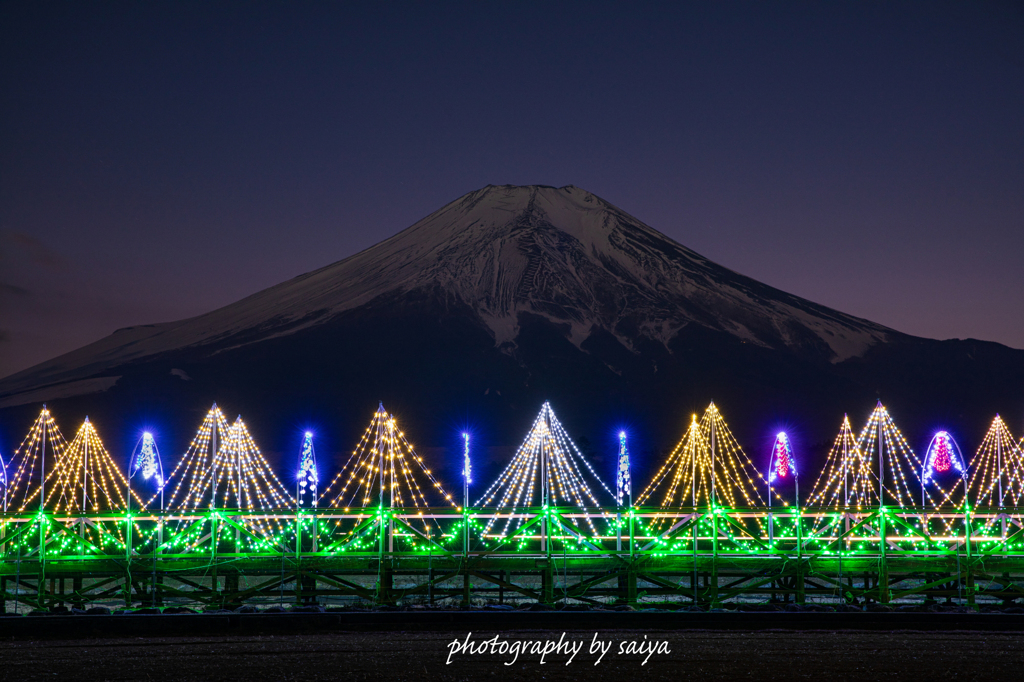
[[847, 478], [548, 470], [997, 470], [43, 444], [233, 533], [623, 479], [943, 454], [3, 479], [707, 467], [384, 470], [149, 460], [241, 478], [308, 477], [781, 464], [85, 478], [191, 487], [224, 469], [146, 459], [467, 470], [898, 465]]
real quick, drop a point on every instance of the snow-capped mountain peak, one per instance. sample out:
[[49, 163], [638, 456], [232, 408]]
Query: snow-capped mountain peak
[[504, 251]]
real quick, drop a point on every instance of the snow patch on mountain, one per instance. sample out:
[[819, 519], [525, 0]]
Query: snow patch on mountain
[[560, 253]]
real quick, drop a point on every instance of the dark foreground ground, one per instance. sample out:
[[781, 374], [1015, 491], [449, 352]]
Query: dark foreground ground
[[421, 655]]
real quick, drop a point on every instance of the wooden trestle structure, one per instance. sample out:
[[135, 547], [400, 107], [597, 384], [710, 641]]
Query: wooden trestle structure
[[703, 557]]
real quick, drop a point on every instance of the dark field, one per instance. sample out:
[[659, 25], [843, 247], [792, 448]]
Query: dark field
[[410, 655]]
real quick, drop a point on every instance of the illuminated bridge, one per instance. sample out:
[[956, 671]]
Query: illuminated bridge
[[879, 525]]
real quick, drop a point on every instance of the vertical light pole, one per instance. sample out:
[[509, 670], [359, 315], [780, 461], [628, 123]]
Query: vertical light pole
[[846, 481], [45, 417], [999, 470], [306, 480], [883, 577], [544, 442], [467, 474], [3, 479], [42, 509], [214, 413], [467, 478], [85, 466], [467, 471], [623, 487]]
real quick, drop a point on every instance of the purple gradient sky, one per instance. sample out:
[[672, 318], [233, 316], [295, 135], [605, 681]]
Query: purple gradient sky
[[160, 160]]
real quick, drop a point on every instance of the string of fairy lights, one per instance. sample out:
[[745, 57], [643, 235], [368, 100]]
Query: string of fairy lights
[[308, 477], [708, 467], [85, 478], [25, 482], [384, 470], [997, 470], [224, 469], [882, 442], [846, 480], [547, 470]]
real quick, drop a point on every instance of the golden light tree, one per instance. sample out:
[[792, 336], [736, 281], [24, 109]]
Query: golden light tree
[[896, 465], [997, 470], [707, 467], [223, 469], [85, 478], [41, 448], [547, 470], [685, 477], [242, 478], [188, 482], [846, 480], [384, 470]]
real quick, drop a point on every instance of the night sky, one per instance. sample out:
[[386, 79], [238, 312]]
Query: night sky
[[159, 160]]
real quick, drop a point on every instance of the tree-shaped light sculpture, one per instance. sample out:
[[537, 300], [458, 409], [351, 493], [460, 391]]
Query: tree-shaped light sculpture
[[26, 474], [384, 469], [943, 455], [623, 475], [846, 479], [997, 470], [548, 470], [782, 466], [684, 479], [898, 465], [189, 482], [707, 467], [223, 469], [308, 477], [86, 479], [146, 460], [241, 478]]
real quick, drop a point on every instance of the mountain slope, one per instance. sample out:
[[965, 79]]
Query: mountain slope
[[507, 297], [564, 254]]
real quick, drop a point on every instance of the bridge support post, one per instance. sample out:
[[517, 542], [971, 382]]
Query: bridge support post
[[883, 568], [801, 596], [971, 588], [547, 583], [41, 582], [713, 587]]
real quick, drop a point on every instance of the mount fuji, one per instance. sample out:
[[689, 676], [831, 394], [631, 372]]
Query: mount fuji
[[504, 298]]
